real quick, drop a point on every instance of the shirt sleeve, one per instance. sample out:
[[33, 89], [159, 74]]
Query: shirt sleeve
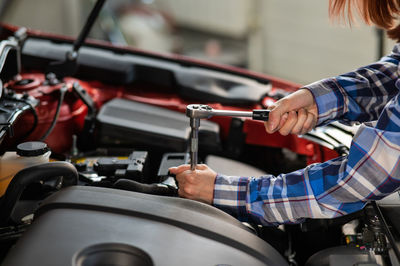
[[359, 95], [337, 187]]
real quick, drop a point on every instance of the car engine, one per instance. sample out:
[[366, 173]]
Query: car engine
[[85, 151]]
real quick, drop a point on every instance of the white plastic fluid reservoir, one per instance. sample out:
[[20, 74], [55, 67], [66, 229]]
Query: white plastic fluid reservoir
[[27, 154]]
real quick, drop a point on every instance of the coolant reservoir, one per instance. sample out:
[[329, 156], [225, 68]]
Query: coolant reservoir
[[28, 154]]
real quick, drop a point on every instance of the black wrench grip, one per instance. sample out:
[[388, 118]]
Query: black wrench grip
[[261, 114]]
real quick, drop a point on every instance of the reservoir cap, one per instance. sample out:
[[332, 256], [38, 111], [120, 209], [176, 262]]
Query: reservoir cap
[[32, 148]]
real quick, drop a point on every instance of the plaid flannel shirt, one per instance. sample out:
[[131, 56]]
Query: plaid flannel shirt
[[345, 184]]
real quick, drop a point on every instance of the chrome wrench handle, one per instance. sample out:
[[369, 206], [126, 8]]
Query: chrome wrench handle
[[199, 111]]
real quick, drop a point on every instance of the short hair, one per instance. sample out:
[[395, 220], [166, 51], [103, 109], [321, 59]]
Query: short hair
[[382, 13]]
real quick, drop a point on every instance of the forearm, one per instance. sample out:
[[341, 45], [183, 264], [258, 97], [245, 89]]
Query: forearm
[[334, 188], [274, 200], [359, 95]]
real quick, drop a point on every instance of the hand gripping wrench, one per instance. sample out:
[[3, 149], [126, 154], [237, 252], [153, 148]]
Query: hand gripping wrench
[[198, 111]]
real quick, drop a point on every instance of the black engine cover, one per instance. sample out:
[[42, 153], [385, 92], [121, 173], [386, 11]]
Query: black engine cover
[[87, 226]]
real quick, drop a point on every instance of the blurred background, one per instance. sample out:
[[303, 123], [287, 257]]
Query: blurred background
[[290, 39]]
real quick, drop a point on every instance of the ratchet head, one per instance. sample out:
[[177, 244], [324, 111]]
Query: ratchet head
[[199, 111]]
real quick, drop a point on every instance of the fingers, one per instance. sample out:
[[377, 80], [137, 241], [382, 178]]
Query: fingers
[[289, 124], [189, 176], [197, 184], [299, 122], [309, 123], [179, 169], [201, 167], [301, 99], [185, 167], [186, 191], [301, 118], [284, 119], [275, 116]]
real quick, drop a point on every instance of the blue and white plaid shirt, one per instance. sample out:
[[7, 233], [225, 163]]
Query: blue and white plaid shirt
[[345, 184]]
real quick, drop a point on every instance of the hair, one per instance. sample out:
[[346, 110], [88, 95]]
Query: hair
[[382, 13]]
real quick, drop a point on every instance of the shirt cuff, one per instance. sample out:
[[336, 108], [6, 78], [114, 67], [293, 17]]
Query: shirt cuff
[[330, 99], [230, 193]]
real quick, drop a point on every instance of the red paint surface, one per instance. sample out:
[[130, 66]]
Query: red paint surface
[[73, 111], [71, 117]]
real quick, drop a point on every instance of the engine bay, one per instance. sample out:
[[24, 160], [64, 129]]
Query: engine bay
[[115, 126]]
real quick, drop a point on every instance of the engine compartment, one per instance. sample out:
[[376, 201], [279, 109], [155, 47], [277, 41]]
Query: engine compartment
[[209, 236], [118, 124]]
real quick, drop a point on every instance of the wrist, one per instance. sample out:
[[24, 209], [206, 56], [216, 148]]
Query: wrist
[[328, 98], [230, 195]]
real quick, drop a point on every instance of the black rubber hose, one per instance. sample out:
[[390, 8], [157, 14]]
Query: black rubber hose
[[23, 178], [154, 189], [35, 120], [63, 90]]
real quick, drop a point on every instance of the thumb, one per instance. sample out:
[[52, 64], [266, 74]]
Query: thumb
[[275, 116]]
